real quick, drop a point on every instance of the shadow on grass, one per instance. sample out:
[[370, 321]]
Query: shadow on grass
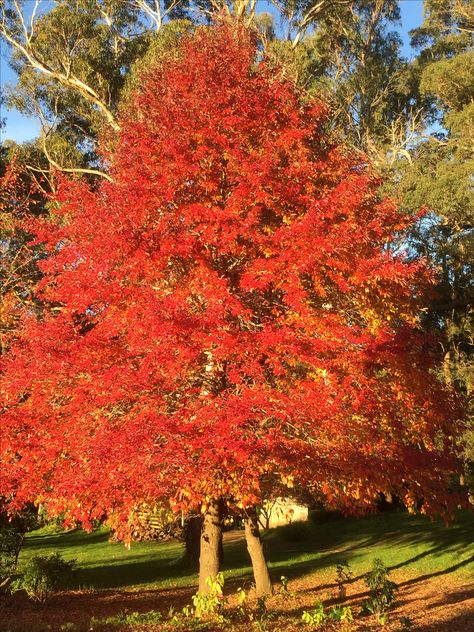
[[444, 571], [396, 533], [133, 573], [60, 541]]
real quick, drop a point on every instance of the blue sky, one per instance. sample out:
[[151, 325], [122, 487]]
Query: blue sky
[[19, 128]]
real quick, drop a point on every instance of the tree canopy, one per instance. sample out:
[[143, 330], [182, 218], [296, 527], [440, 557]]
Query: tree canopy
[[231, 315]]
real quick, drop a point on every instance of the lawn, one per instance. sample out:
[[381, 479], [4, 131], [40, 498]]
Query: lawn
[[422, 556]]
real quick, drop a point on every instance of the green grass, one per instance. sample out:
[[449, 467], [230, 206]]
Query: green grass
[[105, 564], [413, 544]]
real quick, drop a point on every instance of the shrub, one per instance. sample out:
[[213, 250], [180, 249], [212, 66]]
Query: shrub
[[381, 591], [315, 617], [12, 535], [42, 576]]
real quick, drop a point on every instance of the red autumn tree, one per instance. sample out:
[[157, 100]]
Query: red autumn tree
[[231, 315]]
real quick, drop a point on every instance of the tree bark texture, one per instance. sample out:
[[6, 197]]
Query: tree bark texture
[[192, 540], [211, 542], [263, 583]]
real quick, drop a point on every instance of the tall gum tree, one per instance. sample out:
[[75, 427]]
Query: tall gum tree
[[233, 315]]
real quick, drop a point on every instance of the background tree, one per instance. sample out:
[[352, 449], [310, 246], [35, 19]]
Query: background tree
[[72, 60], [352, 55], [440, 177], [236, 315]]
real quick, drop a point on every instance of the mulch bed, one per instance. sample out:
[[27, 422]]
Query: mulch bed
[[433, 604]]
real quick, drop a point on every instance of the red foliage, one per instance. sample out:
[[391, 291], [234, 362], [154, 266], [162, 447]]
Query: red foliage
[[232, 315]]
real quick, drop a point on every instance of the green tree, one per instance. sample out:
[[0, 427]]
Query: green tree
[[352, 55], [440, 178], [72, 61]]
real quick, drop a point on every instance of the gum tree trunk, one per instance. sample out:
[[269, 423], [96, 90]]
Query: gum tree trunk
[[263, 583], [211, 544]]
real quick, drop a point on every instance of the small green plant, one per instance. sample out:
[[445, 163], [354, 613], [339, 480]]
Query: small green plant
[[284, 592], [69, 626], [128, 618], [342, 614], [261, 607], [381, 592], [262, 615], [243, 611], [315, 617], [405, 624], [343, 575], [208, 606], [42, 576], [383, 618]]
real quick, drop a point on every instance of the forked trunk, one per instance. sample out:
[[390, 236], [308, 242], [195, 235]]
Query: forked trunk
[[263, 583], [211, 544]]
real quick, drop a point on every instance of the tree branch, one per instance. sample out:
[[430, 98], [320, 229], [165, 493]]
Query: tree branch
[[68, 79], [56, 165]]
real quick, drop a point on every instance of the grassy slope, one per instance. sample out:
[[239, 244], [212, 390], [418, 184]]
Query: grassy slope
[[412, 545]]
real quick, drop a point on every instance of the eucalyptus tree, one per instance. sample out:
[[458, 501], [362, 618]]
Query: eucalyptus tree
[[440, 177], [72, 59]]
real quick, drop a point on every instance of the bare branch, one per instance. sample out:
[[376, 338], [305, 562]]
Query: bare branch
[[154, 14], [56, 165], [32, 19], [310, 16]]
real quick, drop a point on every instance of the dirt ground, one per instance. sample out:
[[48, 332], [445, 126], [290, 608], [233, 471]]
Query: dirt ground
[[433, 604]]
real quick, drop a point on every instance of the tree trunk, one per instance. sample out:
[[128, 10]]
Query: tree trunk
[[263, 583], [211, 542], [192, 541]]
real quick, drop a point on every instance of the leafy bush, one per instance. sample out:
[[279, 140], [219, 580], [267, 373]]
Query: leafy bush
[[315, 617], [208, 606], [381, 591], [12, 535], [42, 576]]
